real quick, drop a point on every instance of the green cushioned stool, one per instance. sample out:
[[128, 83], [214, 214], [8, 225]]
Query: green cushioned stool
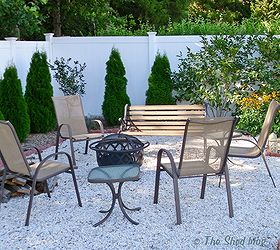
[[115, 174]]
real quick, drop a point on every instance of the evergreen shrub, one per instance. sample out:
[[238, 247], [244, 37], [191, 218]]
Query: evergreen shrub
[[115, 97], [13, 105], [39, 94], [160, 83]]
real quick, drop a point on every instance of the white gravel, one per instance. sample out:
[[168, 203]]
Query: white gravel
[[59, 223]]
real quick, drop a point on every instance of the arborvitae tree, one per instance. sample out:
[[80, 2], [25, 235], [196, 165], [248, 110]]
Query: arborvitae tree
[[160, 83], [115, 97], [39, 94], [13, 105]]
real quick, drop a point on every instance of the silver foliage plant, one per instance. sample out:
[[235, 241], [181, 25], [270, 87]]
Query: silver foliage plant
[[69, 78]]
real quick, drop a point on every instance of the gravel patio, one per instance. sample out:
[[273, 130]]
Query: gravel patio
[[59, 223]]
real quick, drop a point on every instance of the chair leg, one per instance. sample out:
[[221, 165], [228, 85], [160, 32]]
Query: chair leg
[[203, 186], [2, 186], [268, 170], [177, 201], [86, 147], [220, 181], [72, 153], [56, 144], [31, 196], [47, 190], [157, 185], [229, 196], [76, 187]]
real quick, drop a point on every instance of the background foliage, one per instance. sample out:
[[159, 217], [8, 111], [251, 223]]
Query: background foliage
[[1, 116], [21, 19], [12, 102], [29, 19]]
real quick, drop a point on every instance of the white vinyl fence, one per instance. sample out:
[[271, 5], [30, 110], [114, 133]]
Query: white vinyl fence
[[138, 54]]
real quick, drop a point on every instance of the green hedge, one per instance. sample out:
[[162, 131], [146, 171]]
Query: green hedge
[[160, 83], [251, 26], [115, 97], [38, 95], [13, 105]]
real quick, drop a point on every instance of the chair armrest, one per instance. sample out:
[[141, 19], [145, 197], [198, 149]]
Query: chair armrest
[[170, 157], [254, 142], [52, 156], [30, 146], [243, 132], [100, 125], [122, 124], [208, 151], [68, 128]]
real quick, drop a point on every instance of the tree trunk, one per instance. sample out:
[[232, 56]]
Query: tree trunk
[[56, 17]]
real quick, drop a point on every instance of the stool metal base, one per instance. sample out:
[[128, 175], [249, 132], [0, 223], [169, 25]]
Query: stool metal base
[[117, 196]]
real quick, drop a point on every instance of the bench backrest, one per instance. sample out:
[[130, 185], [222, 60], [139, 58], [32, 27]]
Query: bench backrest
[[160, 119]]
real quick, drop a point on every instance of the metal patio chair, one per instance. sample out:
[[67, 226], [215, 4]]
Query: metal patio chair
[[204, 152], [14, 160], [71, 122], [258, 146]]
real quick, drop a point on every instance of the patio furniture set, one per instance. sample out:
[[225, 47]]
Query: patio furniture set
[[206, 146]]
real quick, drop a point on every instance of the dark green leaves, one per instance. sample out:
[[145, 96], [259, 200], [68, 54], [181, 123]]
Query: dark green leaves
[[70, 78]]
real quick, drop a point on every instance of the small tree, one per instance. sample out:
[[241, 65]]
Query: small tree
[[70, 79], [160, 83], [115, 97], [12, 102], [38, 95]]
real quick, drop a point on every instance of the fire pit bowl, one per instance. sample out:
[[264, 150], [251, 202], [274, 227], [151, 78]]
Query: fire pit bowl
[[118, 149]]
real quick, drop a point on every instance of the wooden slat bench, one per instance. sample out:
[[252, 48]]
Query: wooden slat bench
[[162, 120]]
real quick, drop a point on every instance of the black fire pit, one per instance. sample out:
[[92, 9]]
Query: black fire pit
[[118, 149]]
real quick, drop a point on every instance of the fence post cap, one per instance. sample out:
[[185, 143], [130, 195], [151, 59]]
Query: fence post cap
[[11, 39]]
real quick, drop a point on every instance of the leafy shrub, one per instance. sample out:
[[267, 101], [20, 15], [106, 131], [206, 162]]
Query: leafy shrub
[[226, 10], [22, 19], [13, 105], [115, 97], [38, 95], [226, 69], [70, 79], [253, 111], [160, 83], [266, 9]]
